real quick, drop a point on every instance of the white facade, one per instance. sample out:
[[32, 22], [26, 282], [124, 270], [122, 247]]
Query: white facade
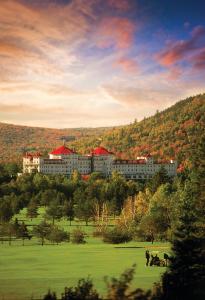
[[65, 161]]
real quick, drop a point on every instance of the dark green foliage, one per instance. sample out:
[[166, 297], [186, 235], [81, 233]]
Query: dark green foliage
[[68, 210], [50, 296], [4, 175], [6, 212], [57, 235], [84, 208], [116, 236], [185, 279], [54, 211], [42, 231], [32, 210], [23, 232], [119, 289], [12, 169], [158, 179], [83, 291], [78, 237]]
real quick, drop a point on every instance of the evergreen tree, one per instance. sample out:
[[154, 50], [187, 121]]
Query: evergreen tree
[[54, 211], [159, 178], [57, 235], [185, 279], [32, 210], [42, 231], [23, 232], [50, 296], [68, 210]]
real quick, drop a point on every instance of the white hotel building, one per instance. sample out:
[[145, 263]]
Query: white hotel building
[[64, 161]]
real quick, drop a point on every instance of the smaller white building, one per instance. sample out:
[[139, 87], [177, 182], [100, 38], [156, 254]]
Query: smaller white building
[[64, 161]]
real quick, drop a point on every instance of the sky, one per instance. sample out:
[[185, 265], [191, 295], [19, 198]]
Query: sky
[[93, 63]]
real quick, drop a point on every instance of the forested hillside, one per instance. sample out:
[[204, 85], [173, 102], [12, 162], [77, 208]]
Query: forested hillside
[[172, 133], [15, 140]]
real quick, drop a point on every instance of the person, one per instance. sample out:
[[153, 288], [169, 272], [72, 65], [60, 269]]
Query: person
[[152, 260], [147, 255], [166, 257], [156, 260]]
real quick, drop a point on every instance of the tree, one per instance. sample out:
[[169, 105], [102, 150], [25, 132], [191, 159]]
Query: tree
[[185, 278], [16, 227], [50, 296], [57, 235], [142, 201], [75, 177], [83, 290], [10, 231], [68, 210], [119, 289], [159, 178], [42, 231], [127, 215], [117, 191], [147, 228], [23, 232], [54, 211], [2, 232], [78, 236], [117, 236], [4, 176], [12, 169], [84, 210], [162, 209], [47, 196], [6, 212], [32, 210]]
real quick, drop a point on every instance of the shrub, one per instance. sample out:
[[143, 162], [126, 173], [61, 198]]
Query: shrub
[[58, 235], [99, 232], [116, 236], [84, 290], [78, 237]]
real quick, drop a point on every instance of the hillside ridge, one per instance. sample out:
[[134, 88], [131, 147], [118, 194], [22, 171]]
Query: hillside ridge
[[171, 133]]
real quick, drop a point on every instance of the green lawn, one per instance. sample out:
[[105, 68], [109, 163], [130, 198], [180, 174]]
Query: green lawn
[[32, 269]]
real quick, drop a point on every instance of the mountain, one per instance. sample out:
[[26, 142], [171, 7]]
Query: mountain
[[172, 133], [15, 139]]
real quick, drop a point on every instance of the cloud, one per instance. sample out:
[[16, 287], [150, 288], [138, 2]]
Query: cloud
[[128, 65], [41, 38], [145, 97], [182, 49], [60, 116], [121, 5], [198, 60], [116, 32]]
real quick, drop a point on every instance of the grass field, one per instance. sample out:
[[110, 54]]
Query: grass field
[[32, 269]]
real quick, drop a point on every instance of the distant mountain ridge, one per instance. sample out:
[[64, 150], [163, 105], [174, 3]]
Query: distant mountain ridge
[[16, 139], [172, 133]]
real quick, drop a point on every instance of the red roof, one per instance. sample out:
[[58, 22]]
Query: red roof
[[101, 151], [62, 151], [31, 155]]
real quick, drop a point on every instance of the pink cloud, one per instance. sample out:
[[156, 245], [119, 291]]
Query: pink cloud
[[130, 96], [180, 50], [127, 64], [199, 60], [117, 32], [34, 39]]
